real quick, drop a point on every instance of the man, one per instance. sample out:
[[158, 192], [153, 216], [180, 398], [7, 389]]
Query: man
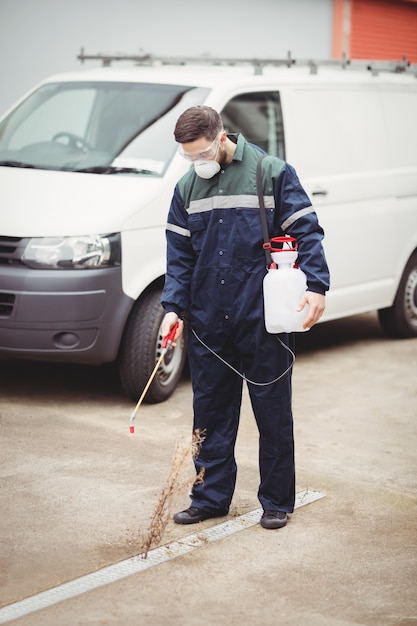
[[215, 269]]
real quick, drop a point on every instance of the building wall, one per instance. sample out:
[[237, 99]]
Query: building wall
[[43, 37]]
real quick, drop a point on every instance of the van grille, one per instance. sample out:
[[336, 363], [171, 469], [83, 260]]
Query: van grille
[[6, 304], [11, 250]]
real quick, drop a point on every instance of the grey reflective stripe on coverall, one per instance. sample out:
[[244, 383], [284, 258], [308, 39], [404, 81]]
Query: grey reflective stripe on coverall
[[215, 269]]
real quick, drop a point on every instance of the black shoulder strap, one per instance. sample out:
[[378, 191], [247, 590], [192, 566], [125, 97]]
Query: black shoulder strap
[[262, 210]]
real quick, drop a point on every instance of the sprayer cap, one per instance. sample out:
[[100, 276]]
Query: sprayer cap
[[287, 257]]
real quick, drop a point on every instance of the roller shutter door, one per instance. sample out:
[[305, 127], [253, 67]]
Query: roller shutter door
[[383, 29]]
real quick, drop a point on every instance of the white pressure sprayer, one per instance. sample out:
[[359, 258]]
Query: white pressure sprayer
[[283, 287], [166, 345]]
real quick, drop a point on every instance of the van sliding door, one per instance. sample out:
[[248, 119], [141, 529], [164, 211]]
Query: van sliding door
[[337, 141]]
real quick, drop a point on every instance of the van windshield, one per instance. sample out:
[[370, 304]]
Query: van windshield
[[102, 127]]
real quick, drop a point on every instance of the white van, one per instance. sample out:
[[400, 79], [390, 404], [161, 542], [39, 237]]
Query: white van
[[88, 165]]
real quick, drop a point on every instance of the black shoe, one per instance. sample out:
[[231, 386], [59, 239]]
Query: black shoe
[[193, 515], [273, 519]]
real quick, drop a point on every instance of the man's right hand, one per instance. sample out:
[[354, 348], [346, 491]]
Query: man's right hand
[[168, 322]]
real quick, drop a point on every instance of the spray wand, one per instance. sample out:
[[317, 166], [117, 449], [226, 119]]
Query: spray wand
[[166, 345]]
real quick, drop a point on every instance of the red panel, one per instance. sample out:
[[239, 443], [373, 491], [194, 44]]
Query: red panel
[[383, 29]]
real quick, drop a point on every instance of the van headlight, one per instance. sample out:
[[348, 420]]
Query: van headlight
[[81, 252]]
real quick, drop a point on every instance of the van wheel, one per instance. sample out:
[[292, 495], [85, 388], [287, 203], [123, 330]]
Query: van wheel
[[141, 348], [400, 320]]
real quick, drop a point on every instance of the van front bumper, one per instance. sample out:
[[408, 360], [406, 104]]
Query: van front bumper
[[73, 316]]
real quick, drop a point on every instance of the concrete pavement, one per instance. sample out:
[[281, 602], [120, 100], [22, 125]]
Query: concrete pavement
[[78, 492]]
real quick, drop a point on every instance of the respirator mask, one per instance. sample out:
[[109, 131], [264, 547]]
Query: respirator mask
[[206, 168]]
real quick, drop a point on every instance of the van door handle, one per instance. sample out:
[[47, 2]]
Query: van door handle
[[321, 192]]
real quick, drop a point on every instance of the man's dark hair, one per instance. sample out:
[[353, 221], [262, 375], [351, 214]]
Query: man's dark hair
[[196, 122]]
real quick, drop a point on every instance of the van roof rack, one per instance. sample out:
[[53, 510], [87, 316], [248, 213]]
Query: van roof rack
[[375, 67]]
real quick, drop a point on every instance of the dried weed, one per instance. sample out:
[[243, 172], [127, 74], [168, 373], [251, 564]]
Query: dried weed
[[172, 487]]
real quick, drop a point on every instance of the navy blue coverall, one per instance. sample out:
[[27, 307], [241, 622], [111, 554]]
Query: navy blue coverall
[[215, 270]]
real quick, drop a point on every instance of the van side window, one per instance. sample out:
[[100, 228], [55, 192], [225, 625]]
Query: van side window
[[258, 116]]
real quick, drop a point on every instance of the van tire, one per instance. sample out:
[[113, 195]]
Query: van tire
[[400, 320], [141, 348]]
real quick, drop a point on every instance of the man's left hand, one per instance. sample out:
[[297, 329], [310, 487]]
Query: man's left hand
[[317, 303]]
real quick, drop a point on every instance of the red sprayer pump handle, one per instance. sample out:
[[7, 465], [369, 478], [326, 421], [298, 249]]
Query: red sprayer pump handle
[[168, 339], [278, 244], [166, 344]]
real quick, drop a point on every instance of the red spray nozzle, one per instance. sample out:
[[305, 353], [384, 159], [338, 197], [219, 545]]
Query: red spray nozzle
[[132, 417]]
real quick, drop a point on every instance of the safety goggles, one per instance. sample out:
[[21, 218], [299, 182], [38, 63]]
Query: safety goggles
[[204, 155]]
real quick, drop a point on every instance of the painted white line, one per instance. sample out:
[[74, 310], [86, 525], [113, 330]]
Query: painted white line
[[136, 564]]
